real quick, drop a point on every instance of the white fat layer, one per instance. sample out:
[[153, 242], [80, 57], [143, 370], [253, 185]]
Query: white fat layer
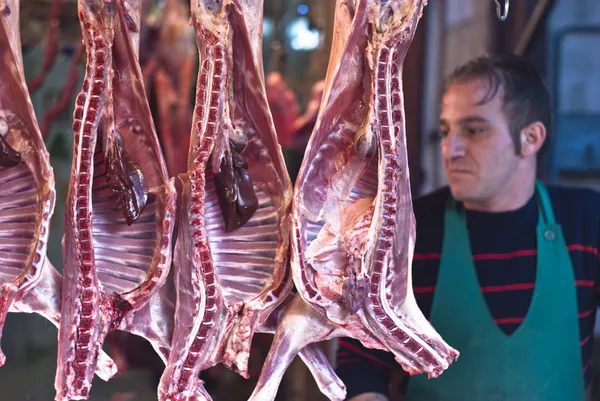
[[3, 127]]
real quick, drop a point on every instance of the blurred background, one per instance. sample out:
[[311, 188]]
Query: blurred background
[[562, 37]]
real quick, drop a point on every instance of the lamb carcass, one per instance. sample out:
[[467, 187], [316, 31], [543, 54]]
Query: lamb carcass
[[120, 204], [353, 226], [28, 281], [27, 193], [231, 256]]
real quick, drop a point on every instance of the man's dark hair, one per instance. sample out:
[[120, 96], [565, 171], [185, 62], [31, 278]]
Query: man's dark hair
[[525, 97]]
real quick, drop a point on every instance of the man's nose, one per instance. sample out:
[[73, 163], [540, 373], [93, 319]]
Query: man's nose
[[453, 145]]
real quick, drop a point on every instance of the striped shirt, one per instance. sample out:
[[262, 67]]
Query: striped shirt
[[504, 253]]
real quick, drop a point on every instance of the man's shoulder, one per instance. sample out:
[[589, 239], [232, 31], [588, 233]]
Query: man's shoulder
[[430, 203], [574, 199], [573, 190]]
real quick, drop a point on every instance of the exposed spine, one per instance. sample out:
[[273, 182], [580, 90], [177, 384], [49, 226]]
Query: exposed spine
[[83, 344], [388, 104], [211, 86]]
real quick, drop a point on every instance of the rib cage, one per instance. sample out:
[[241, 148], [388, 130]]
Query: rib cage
[[113, 281], [122, 253], [245, 258], [364, 187], [18, 220], [27, 196]]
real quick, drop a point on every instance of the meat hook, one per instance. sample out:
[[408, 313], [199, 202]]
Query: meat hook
[[502, 16]]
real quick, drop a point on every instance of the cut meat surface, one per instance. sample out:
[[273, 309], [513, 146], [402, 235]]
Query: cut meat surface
[[45, 300], [231, 253], [231, 256], [120, 206], [123, 252], [353, 229], [246, 257], [18, 218], [27, 192], [28, 281]]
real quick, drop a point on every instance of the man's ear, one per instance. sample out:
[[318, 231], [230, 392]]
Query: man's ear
[[532, 138]]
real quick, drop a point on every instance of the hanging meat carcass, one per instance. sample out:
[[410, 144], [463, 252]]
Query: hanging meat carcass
[[231, 256], [120, 203], [45, 300], [353, 226], [27, 193], [28, 281]]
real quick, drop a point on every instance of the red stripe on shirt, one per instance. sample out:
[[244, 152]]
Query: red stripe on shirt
[[516, 320], [509, 320], [364, 354], [511, 287], [584, 248], [423, 289], [587, 365], [510, 255], [526, 252], [585, 341], [426, 256], [501, 288]]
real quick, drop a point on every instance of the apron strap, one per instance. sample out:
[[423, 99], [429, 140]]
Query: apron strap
[[546, 211]]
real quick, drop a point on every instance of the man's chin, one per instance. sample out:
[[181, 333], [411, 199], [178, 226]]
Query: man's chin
[[461, 193]]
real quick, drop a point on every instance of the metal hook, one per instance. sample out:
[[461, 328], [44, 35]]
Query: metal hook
[[502, 16]]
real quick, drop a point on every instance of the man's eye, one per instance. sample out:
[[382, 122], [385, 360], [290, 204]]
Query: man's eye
[[475, 131]]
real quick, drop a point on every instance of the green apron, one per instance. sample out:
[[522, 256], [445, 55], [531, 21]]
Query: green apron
[[541, 360]]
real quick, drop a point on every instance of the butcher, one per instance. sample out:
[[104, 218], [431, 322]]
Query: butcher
[[505, 268]]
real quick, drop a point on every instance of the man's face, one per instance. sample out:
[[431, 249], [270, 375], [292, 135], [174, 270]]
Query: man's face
[[477, 148]]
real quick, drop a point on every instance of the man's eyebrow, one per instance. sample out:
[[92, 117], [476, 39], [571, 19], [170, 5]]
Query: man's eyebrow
[[473, 119], [465, 120]]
